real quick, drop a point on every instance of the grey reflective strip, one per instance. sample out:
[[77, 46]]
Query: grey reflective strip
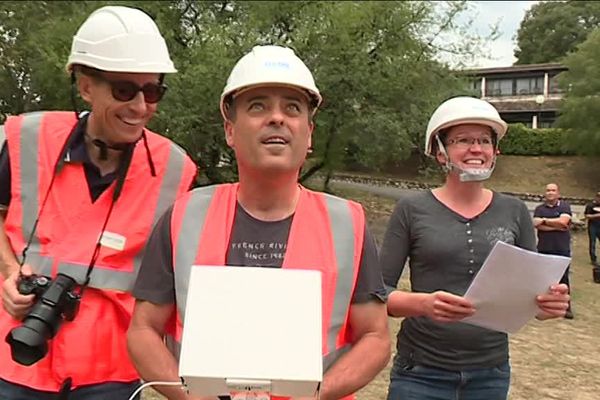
[[29, 148], [168, 190], [342, 229], [103, 278], [186, 247], [40, 265], [333, 356], [2, 135]]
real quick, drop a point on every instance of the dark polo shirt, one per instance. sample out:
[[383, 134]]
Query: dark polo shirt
[[554, 242], [590, 209], [76, 154]]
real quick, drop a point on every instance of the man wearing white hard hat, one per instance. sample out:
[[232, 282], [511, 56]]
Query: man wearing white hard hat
[[446, 234], [268, 104], [80, 193]]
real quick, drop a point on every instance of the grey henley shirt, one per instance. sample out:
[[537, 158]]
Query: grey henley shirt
[[445, 252]]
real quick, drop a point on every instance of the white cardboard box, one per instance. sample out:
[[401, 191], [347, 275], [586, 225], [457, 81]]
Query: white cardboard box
[[252, 324]]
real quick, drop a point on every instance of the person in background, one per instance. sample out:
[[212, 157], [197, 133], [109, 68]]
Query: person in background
[[79, 194], [592, 215], [446, 234], [552, 219]]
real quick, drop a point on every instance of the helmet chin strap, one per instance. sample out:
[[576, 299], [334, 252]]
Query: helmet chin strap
[[465, 174]]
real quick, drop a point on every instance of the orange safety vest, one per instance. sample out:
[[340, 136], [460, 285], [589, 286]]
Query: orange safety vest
[[327, 233], [92, 348]]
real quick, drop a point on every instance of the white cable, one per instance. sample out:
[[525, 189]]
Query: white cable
[[145, 385]]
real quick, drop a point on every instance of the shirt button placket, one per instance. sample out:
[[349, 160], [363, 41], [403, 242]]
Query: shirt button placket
[[470, 247]]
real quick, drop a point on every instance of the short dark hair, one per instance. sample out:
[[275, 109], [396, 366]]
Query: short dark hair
[[442, 134], [229, 107]]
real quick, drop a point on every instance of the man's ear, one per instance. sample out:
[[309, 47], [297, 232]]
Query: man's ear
[[311, 127], [85, 87], [228, 128]]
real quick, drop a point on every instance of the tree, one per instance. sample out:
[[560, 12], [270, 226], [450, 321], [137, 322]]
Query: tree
[[552, 29], [579, 109], [374, 63]]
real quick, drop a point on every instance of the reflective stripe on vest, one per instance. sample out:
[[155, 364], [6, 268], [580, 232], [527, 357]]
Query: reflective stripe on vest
[[187, 246], [343, 239], [100, 278], [29, 151]]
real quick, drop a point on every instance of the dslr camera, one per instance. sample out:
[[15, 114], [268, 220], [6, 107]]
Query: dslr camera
[[56, 300]]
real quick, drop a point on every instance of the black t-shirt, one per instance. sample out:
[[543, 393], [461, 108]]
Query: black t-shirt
[[253, 243], [77, 153], [590, 209]]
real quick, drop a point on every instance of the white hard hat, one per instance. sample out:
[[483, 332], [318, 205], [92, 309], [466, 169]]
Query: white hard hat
[[463, 110], [270, 65], [120, 39]]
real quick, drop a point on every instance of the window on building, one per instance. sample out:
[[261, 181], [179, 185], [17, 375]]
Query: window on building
[[499, 87], [530, 85], [553, 85]]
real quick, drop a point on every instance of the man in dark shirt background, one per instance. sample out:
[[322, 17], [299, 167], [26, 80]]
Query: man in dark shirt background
[[592, 215], [552, 219]]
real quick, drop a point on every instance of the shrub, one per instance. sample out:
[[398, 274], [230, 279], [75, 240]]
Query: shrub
[[523, 141]]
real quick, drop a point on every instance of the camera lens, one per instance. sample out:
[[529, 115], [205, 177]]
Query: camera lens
[[29, 342], [27, 345]]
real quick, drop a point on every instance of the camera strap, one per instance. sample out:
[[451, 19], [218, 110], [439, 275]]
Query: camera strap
[[65, 389], [122, 169], [121, 174]]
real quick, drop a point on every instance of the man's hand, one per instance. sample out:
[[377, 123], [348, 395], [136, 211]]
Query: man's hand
[[554, 303], [442, 306], [15, 303]]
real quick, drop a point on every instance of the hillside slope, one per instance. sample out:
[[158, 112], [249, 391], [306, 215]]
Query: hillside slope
[[576, 176]]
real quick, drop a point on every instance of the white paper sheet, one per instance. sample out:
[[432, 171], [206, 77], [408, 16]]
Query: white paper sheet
[[505, 288]]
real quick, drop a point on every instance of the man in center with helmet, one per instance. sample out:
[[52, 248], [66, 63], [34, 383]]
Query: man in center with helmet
[[446, 233], [267, 105], [80, 194]]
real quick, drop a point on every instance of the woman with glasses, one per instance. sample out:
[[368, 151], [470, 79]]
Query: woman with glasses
[[446, 234], [79, 196]]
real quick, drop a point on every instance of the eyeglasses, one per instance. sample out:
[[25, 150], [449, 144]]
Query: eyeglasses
[[466, 142], [127, 90]]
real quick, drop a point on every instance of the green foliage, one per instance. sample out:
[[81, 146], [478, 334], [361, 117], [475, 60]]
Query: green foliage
[[579, 110], [552, 29], [523, 141], [374, 63]]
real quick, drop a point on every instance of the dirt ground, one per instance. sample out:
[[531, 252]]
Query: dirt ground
[[550, 360]]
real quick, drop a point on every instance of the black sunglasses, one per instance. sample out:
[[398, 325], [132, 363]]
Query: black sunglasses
[[127, 90]]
